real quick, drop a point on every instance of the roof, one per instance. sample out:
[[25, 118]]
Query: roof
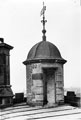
[[42, 51], [4, 45]]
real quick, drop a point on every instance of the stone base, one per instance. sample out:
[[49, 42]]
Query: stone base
[[41, 104], [49, 105], [33, 104]]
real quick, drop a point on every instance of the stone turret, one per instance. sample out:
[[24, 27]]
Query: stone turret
[[44, 73]]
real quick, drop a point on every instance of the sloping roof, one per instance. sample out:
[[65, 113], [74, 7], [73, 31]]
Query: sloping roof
[[4, 45]]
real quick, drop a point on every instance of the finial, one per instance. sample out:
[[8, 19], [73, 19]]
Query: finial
[[43, 22]]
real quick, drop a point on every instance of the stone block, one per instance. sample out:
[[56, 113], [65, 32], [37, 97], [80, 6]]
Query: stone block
[[59, 90], [59, 97], [59, 84], [37, 76], [37, 90], [38, 83], [39, 97], [30, 97], [36, 68]]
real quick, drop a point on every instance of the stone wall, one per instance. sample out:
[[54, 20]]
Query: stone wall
[[35, 82]]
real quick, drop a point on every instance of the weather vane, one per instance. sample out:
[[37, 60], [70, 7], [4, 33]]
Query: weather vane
[[43, 21]]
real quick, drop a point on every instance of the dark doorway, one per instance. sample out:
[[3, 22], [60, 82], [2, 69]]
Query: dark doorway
[[49, 85]]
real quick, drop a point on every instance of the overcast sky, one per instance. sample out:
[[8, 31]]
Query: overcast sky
[[20, 26]]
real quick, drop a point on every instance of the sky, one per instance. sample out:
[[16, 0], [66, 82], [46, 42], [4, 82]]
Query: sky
[[20, 26]]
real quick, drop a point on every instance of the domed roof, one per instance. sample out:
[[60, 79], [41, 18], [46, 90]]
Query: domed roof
[[44, 50]]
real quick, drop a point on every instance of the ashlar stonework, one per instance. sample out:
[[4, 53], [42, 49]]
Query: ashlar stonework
[[45, 83]]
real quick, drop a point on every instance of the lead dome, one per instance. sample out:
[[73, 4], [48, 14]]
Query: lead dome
[[44, 50]]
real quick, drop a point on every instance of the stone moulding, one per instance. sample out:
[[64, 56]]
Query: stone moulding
[[63, 61]]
